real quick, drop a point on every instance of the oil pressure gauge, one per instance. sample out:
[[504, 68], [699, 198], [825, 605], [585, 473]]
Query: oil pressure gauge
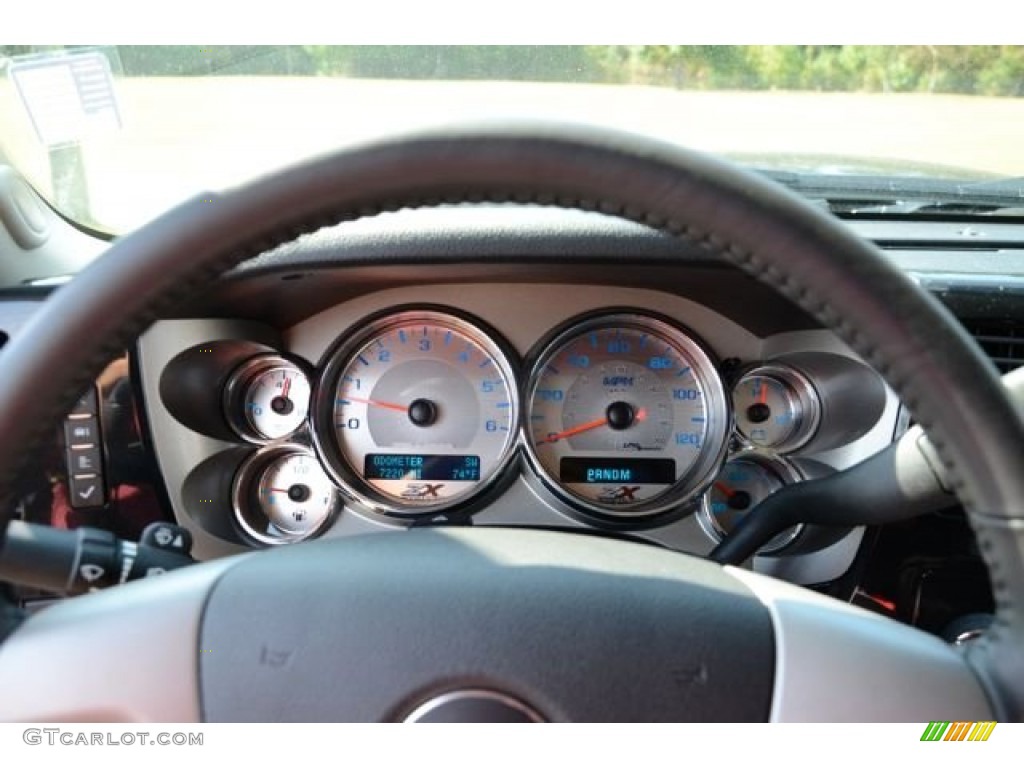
[[267, 398], [776, 407]]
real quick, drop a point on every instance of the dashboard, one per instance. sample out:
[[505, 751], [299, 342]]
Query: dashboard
[[498, 366]]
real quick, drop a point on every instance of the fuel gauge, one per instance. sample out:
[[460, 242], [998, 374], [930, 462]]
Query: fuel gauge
[[282, 495]]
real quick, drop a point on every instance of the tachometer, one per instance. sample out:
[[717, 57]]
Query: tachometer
[[419, 412], [626, 416]]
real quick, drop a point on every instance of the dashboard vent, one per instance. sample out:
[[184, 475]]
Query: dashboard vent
[[1002, 340]]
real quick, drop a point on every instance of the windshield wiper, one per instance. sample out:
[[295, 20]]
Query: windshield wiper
[[854, 195], [891, 207]]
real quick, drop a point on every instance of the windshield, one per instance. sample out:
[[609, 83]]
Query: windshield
[[114, 136]]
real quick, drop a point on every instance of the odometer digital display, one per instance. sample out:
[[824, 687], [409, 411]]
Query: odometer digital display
[[392, 466]]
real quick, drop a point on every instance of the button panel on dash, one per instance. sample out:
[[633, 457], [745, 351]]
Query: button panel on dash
[[84, 453]]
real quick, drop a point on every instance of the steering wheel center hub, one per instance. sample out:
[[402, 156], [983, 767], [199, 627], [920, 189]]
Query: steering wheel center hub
[[473, 706]]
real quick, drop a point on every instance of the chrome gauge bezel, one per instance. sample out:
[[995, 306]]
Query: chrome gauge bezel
[[353, 486], [682, 497], [801, 393], [247, 512], [237, 384], [787, 471]]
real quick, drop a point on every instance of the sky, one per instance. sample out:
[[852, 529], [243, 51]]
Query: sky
[[521, 22]]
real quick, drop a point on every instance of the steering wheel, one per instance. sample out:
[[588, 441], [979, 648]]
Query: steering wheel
[[477, 624]]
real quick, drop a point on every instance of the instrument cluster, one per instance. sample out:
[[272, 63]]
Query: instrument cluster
[[424, 411], [623, 419]]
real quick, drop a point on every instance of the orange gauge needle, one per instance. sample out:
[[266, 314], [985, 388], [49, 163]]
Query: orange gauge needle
[[763, 392], [286, 388], [585, 427], [725, 490], [377, 403]]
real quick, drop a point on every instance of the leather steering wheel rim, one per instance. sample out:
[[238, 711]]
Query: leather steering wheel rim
[[844, 282]]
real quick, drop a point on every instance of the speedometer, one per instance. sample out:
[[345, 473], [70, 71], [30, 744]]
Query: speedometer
[[626, 416], [417, 413]]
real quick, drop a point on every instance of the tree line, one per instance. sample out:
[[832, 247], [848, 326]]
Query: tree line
[[994, 70]]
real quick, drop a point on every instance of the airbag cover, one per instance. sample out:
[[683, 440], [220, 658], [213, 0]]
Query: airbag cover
[[580, 628]]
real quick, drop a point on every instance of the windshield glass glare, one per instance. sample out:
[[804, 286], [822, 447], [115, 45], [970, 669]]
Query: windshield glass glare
[[114, 136]]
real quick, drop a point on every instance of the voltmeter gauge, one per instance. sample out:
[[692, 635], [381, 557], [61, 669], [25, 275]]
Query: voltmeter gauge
[[267, 398], [776, 407], [282, 495]]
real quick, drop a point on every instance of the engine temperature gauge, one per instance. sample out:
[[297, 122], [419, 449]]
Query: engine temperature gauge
[[282, 495], [744, 482], [776, 407], [267, 398]]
